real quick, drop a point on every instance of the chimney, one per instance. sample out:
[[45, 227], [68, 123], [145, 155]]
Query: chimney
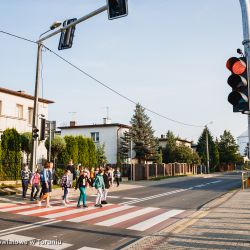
[[72, 123], [106, 121], [162, 136], [21, 91]]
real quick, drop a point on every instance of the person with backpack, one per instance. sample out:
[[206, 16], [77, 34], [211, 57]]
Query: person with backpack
[[35, 182], [25, 175], [82, 184], [107, 184], [117, 175], [66, 184], [44, 178], [99, 186]]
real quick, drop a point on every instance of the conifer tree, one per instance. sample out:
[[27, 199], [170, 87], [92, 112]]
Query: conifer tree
[[142, 135]]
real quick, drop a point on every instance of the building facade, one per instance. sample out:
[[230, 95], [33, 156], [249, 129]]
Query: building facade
[[163, 142], [16, 111], [107, 134], [242, 142]]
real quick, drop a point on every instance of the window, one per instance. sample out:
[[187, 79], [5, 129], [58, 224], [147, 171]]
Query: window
[[1, 107], [19, 110], [30, 115], [95, 136]]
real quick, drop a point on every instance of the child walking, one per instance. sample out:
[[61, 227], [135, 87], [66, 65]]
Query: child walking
[[66, 184], [35, 182], [99, 186], [82, 184]]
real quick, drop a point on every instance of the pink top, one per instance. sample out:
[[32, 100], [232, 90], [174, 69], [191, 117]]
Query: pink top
[[35, 179]]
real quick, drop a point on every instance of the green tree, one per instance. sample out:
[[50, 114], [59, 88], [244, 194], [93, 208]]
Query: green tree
[[71, 150], [142, 134], [168, 152], [101, 158], [11, 152], [228, 148], [83, 151], [124, 147], [92, 153], [212, 148], [26, 144], [58, 145]]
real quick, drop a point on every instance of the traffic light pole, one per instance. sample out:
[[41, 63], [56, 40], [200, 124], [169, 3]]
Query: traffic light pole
[[245, 10], [38, 66]]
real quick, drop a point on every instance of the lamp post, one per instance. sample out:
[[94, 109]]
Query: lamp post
[[36, 104], [207, 149]]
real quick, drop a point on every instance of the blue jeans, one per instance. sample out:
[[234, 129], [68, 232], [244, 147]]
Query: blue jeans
[[25, 184], [65, 193], [83, 196]]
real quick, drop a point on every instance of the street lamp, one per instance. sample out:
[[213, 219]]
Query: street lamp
[[207, 150], [35, 113]]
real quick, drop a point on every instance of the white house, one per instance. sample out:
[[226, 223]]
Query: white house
[[16, 111], [163, 142], [107, 133], [242, 141]]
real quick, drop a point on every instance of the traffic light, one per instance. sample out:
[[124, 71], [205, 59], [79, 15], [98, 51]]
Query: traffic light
[[66, 38], [117, 8], [35, 132], [42, 136], [238, 81]]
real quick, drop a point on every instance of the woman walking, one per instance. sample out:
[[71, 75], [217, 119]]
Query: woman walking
[[82, 184], [66, 184], [99, 186]]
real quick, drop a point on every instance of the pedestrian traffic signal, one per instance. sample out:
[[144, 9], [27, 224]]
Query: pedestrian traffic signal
[[117, 8], [35, 132], [238, 81], [42, 136], [67, 35]]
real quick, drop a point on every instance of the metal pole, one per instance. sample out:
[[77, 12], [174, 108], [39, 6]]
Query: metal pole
[[35, 111], [84, 18], [49, 140], [131, 168], [245, 10], [208, 167]]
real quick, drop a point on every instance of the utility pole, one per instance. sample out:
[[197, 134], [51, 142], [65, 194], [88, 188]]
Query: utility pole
[[245, 10], [208, 167]]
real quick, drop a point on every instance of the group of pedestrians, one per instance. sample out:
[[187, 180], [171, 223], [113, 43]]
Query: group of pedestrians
[[100, 178]]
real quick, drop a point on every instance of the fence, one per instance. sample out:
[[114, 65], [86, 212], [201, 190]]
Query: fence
[[147, 171]]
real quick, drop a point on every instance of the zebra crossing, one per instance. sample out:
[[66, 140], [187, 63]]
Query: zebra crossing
[[123, 216]]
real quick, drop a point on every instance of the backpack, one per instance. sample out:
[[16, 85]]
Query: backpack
[[42, 176]]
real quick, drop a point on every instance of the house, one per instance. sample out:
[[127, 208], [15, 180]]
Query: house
[[242, 142], [16, 111], [179, 141], [107, 133]]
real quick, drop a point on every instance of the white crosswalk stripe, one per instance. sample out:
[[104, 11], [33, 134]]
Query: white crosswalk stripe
[[99, 214], [142, 226], [126, 217]]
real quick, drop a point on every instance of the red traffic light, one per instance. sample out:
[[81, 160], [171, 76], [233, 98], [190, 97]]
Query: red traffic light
[[236, 65]]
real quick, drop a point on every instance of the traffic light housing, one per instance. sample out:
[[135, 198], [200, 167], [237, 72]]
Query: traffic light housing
[[117, 8], [238, 82], [42, 136], [66, 38], [35, 133]]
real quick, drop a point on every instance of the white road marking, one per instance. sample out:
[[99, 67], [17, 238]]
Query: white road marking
[[27, 225], [68, 212], [39, 210], [99, 214], [50, 245], [16, 238], [109, 196], [128, 216], [142, 226], [89, 248], [167, 193], [31, 226]]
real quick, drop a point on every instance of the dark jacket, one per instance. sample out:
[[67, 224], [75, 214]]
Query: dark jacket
[[83, 181], [107, 179]]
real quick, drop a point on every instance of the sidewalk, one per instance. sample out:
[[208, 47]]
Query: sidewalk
[[222, 224]]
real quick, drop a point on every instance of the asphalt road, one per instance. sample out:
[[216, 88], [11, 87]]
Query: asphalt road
[[137, 212]]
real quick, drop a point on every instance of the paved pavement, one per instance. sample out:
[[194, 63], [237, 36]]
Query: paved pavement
[[222, 224]]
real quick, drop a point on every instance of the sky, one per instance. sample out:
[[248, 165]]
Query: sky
[[167, 55]]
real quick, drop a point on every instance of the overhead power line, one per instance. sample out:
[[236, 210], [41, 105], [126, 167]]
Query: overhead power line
[[102, 83]]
